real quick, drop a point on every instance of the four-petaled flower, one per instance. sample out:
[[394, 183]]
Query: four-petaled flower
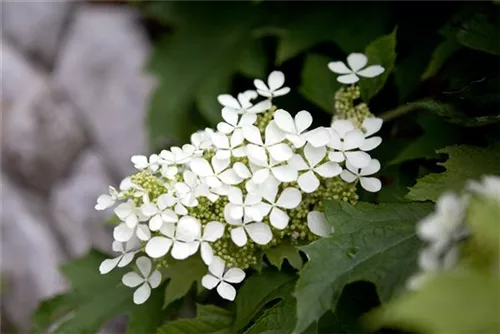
[[274, 86], [211, 232], [159, 213], [239, 207], [202, 140], [220, 279], [215, 174], [273, 143], [308, 181], [227, 147], [351, 73], [288, 199], [242, 105], [371, 126], [127, 250], [233, 124], [293, 127], [106, 201], [147, 280], [346, 141], [259, 232], [352, 174], [142, 162], [177, 155]]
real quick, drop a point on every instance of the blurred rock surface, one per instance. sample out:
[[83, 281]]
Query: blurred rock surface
[[74, 100]]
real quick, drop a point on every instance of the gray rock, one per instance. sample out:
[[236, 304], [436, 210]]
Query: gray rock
[[40, 132], [72, 205], [101, 67], [30, 255], [36, 27]]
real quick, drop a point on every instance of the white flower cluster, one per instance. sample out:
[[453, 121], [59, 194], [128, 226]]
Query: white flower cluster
[[443, 229], [262, 170]]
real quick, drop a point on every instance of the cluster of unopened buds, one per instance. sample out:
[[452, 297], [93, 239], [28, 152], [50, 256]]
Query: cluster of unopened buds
[[252, 184]]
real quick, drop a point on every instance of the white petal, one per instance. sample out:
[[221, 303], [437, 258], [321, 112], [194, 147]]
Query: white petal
[[273, 134], [256, 153], [180, 250], [372, 168], [260, 233], [336, 156], [290, 198], [155, 223], [201, 167], [269, 189], [241, 170], [260, 85], [298, 163], [188, 229], [144, 266], [358, 159], [347, 176], [207, 253], [260, 107], [370, 184], [169, 216], [252, 134], [108, 265], [280, 152], [328, 169], [213, 231], [234, 275], [220, 140], [122, 232], [314, 155], [149, 209], [219, 165], [317, 223], [140, 161], [239, 236], [226, 291], [230, 116], [155, 279], [279, 218], [225, 128], [338, 67], [348, 79], [117, 247], [371, 71], [228, 101], [132, 221], [260, 176], [158, 246], [124, 209], [235, 211], [353, 139], [126, 259], [247, 119], [371, 143], [356, 61], [284, 121], [276, 80], [209, 282], [132, 279], [282, 91], [308, 182], [235, 196], [142, 294], [163, 201], [285, 173], [317, 137], [143, 232], [217, 267], [104, 202], [372, 125], [303, 120]]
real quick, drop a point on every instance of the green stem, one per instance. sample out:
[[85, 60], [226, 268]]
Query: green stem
[[396, 112]]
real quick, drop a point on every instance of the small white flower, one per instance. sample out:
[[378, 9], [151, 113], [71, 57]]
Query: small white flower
[[346, 142], [233, 124], [242, 105], [128, 213], [273, 143], [352, 174], [142, 162], [189, 190], [147, 280], [106, 201], [226, 148], [371, 126], [177, 155], [293, 128], [259, 232], [274, 86], [159, 213], [288, 199], [351, 73], [239, 207], [317, 223], [308, 181], [127, 250], [169, 172], [220, 279], [202, 140], [263, 169], [215, 174], [489, 187], [178, 237], [212, 232]]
